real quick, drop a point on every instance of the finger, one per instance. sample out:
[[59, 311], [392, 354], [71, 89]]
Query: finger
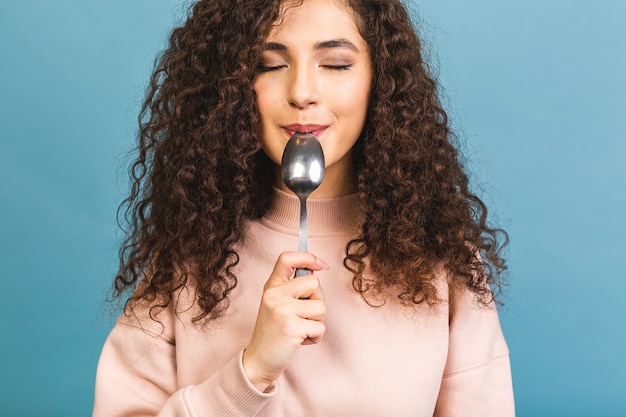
[[302, 298], [306, 287], [315, 331], [310, 310], [287, 262]]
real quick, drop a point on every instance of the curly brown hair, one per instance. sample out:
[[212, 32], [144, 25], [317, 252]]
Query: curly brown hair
[[200, 173]]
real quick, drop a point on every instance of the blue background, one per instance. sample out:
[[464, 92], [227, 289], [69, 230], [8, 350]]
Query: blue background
[[536, 89]]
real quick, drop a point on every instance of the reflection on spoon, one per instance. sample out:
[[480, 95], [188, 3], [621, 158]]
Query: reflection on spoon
[[302, 169]]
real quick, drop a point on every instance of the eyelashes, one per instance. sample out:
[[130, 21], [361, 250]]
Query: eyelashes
[[271, 68], [337, 67]]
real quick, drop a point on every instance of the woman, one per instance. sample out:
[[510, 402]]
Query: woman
[[397, 317]]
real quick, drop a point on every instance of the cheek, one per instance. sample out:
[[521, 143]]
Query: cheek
[[262, 105], [353, 98], [264, 99]]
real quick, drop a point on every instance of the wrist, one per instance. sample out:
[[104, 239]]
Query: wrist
[[252, 373]]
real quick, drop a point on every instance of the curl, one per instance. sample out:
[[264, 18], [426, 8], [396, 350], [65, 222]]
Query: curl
[[419, 211], [199, 171]]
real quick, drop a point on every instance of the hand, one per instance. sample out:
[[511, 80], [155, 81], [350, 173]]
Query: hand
[[291, 314]]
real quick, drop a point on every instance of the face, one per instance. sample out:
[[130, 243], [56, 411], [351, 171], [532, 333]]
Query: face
[[315, 77]]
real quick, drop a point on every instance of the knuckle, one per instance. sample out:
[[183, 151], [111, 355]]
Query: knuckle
[[280, 310], [323, 309], [269, 296], [313, 282], [316, 282], [282, 257], [290, 327]]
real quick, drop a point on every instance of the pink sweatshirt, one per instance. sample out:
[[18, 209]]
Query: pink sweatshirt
[[444, 361]]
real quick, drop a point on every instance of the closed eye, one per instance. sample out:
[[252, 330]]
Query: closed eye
[[268, 68], [337, 67]]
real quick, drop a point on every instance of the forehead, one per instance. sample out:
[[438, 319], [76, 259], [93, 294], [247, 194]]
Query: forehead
[[315, 18]]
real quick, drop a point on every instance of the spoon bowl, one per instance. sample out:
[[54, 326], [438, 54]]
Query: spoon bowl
[[302, 169]]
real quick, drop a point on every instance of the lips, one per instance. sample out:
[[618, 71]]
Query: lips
[[316, 130]]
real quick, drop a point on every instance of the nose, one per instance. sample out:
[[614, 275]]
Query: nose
[[303, 88]]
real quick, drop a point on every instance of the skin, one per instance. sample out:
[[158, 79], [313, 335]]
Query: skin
[[318, 78], [315, 80]]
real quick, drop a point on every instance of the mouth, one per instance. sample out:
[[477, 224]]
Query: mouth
[[316, 130]]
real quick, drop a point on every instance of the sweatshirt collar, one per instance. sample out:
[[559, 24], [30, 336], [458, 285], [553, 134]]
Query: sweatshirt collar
[[325, 216]]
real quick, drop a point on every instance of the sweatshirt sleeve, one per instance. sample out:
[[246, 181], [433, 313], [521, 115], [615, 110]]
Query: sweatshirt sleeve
[[477, 378], [136, 376]]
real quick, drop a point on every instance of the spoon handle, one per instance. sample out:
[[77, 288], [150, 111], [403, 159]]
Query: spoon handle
[[303, 237]]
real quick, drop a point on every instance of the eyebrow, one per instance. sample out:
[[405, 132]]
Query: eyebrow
[[334, 43]]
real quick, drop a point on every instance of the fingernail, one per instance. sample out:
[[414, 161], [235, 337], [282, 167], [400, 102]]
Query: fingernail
[[321, 263]]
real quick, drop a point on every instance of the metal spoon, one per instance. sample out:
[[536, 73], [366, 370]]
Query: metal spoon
[[302, 168]]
